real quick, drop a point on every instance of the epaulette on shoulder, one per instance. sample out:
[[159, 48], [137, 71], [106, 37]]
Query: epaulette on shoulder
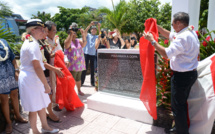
[[30, 39]]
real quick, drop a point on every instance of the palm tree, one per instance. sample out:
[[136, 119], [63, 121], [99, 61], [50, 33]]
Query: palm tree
[[6, 34], [116, 17]]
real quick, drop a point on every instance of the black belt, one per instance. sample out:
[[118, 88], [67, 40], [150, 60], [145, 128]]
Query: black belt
[[184, 72]]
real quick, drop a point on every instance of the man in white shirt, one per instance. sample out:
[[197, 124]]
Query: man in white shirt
[[54, 43], [183, 53]]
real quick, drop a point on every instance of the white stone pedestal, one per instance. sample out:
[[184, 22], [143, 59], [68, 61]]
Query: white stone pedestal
[[122, 106]]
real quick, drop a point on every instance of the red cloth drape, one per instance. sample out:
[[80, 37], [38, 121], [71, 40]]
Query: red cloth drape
[[65, 92], [148, 90], [212, 67]]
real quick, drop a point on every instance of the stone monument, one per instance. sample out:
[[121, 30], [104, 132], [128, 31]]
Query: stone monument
[[120, 82]]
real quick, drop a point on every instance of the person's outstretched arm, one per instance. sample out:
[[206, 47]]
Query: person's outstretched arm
[[163, 31], [68, 40], [88, 27]]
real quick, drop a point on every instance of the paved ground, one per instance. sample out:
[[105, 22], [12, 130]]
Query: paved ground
[[86, 121]]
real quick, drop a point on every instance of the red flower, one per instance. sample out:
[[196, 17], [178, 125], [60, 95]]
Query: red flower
[[27, 36], [208, 38], [214, 39], [205, 43], [197, 32], [166, 42], [41, 48], [192, 27]]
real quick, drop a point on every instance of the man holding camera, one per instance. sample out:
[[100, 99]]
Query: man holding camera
[[90, 51]]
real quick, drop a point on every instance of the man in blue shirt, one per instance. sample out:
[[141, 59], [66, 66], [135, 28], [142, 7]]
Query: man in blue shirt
[[90, 51]]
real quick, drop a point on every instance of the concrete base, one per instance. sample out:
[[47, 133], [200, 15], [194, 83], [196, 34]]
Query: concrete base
[[119, 105]]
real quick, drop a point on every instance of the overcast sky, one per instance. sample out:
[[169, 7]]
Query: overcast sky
[[28, 7]]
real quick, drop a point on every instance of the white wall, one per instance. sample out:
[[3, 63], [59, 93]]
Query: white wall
[[211, 16], [192, 7]]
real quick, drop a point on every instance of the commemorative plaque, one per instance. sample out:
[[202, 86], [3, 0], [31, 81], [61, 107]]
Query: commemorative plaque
[[119, 72]]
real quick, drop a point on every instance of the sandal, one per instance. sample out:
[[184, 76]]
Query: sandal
[[21, 120], [56, 121], [9, 129]]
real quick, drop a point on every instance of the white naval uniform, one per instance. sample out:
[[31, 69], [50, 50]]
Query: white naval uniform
[[31, 89]]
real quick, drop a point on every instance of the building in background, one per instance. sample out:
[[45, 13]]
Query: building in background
[[14, 23]]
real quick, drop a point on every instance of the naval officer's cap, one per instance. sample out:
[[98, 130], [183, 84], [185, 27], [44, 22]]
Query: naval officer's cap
[[35, 22]]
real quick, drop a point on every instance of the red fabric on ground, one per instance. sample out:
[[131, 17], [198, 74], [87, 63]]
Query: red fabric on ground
[[65, 92], [148, 90]]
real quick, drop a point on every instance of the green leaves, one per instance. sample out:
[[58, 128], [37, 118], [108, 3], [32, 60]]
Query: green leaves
[[163, 78], [207, 44], [43, 16], [117, 17], [6, 34], [4, 10]]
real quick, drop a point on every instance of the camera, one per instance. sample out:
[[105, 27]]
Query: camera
[[95, 22], [133, 38], [75, 29], [102, 34]]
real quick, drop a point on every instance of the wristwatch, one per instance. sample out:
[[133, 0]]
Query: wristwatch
[[153, 42]]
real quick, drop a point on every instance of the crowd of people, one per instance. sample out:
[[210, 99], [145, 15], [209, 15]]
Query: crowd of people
[[37, 76]]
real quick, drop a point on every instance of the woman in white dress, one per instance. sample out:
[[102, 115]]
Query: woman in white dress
[[33, 85]]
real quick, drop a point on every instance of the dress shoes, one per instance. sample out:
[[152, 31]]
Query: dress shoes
[[172, 130], [50, 131]]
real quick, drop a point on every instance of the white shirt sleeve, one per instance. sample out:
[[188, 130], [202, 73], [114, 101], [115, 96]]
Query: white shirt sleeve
[[34, 52], [60, 48], [58, 44], [176, 47], [171, 36]]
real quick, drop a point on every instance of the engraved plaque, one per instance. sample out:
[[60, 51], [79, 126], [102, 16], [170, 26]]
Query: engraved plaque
[[119, 72]]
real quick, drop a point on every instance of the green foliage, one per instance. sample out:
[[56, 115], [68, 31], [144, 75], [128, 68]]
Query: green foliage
[[66, 16], [16, 48], [117, 17], [139, 11], [203, 13], [43, 16], [4, 10], [164, 16], [10, 38], [6, 34], [163, 78], [62, 35], [130, 17], [207, 44]]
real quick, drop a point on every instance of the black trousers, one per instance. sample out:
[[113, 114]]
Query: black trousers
[[181, 83], [88, 58]]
